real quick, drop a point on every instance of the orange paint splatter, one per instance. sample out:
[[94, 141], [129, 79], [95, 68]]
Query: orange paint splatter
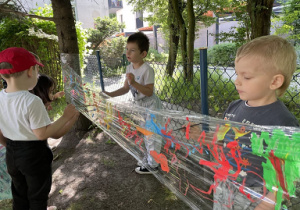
[[161, 159], [144, 131]]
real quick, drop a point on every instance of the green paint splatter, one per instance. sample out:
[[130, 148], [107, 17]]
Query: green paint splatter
[[285, 148]]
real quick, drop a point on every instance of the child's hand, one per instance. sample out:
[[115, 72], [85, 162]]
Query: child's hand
[[59, 95], [70, 111], [49, 107], [130, 78]]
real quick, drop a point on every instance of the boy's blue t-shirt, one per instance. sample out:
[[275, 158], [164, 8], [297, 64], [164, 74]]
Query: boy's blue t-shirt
[[275, 114]]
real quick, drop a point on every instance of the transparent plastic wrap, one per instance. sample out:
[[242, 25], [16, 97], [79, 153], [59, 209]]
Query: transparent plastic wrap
[[207, 162]]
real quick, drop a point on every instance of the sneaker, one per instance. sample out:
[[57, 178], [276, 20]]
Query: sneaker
[[139, 163], [51, 208], [143, 170]]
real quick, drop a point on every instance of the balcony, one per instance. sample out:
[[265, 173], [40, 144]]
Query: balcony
[[114, 5]]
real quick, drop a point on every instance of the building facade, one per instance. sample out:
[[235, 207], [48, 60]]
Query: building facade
[[84, 10]]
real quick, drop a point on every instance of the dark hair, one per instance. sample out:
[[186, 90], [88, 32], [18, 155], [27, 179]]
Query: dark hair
[[141, 40], [42, 87]]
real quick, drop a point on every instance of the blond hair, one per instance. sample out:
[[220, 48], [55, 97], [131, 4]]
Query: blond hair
[[5, 65], [276, 52]]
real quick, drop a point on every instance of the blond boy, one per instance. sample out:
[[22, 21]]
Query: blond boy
[[264, 69]]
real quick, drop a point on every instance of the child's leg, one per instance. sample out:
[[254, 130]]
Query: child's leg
[[32, 162], [18, 185], [152, 143]]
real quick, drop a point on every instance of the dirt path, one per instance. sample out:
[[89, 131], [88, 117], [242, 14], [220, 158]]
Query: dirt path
[[93, 172]]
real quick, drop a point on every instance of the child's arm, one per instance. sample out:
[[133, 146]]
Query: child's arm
[[52, 129], [123, 90], [58, 95], [67, 127], [2, 139], [146, 90], [263, 205]]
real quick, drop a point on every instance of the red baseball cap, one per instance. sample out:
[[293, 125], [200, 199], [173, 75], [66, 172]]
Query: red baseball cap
[[19, 58]]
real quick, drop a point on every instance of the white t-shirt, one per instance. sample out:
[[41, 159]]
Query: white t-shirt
[[143, 75], [20, 112]]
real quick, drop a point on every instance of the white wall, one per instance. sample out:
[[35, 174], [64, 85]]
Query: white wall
[[31, 4], [87, 10], [201, 36], [128, 17]]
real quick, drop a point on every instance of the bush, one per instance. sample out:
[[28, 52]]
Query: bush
[[112, 56], [155, 56], [40, 37], [196, 56], [176, 90], [222, 54]]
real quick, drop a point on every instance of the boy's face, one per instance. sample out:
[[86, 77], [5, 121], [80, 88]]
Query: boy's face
[[253, 81], [133, 53]]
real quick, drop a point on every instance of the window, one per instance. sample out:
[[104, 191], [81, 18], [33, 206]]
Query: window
[[139, 19]]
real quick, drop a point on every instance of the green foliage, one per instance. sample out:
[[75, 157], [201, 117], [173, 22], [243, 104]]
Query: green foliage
[[82, 36], [238, 34], [176, 90], [58, 107], [154, 56], [104, 28], [40, 37], [289, 21], [292, 100], [196, 56], [222, 54], [161, 12], [112, 56]]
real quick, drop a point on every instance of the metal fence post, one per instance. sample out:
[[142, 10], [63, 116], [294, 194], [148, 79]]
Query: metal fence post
[[100, 70], [203, 81]]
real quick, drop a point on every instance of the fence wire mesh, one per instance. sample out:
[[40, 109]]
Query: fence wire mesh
[[180, 94]]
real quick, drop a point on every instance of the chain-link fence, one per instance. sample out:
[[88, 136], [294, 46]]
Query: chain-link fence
[[180, 94]]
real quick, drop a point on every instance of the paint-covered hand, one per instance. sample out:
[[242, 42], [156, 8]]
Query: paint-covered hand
[[130, 77]]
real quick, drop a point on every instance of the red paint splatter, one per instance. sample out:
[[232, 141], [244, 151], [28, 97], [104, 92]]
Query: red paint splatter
[[276, 162]]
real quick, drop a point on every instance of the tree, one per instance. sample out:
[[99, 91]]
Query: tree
[[260, 12], [68, 44], [238, 34], [254, 18], [104, 28], [180, 24], [173, 40], [66, 31], [289, 22]]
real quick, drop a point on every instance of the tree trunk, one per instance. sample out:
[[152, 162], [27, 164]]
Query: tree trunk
[[183, 34], [68, 45], [173, 41], [260, 15], [191, 39]]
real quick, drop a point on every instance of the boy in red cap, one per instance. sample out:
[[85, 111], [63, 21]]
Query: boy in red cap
[[24, 129]]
